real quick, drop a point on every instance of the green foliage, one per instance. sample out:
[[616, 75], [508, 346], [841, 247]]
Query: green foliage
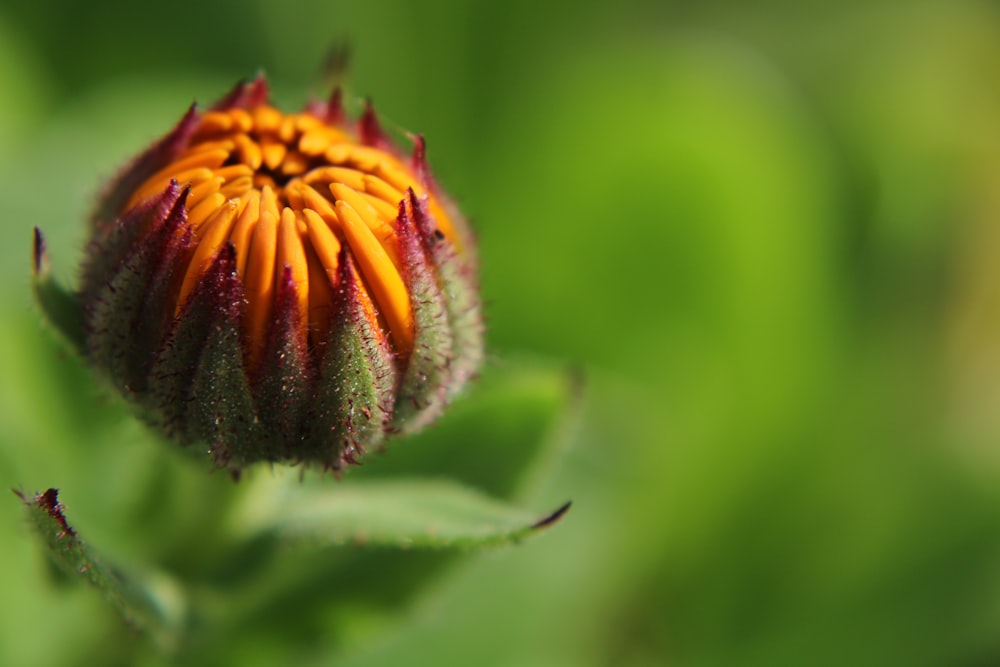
[[58, 303], [142, 606], [403, 514]]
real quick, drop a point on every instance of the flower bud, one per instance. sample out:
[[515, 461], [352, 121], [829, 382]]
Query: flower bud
[[281, 287]]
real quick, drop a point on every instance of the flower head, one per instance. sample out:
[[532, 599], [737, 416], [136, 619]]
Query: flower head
[[282, 287]]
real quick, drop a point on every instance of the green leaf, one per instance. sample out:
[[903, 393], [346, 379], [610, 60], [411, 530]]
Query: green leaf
[[152, 603], [433, 514], [59, 305]]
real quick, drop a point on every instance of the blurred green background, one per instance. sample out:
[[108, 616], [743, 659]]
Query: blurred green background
[[768, 233]]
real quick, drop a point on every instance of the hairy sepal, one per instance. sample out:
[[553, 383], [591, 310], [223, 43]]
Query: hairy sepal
[[354, 393], [459, 286], [198, 385], [125, 315], [282, 388], [423, 390]]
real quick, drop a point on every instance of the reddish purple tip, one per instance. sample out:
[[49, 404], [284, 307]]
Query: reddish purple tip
[[331, 111], [49, 501], [335, 107], [245, 94], [419, 161], [552, 518], [369, 130], [38, 251]]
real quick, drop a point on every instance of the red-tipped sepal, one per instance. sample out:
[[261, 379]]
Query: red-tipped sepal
[[245, 95], [198, 386], [457, 279], [418, 163], [423, 389], [126, 315], [370, 130], [330, 111], [282, 388], [112, 243], [353, 399]]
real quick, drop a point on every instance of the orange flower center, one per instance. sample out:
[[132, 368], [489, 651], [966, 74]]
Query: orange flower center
[[291, 191]]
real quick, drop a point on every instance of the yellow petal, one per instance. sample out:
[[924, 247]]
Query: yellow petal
[[379, 273], [291, 254]]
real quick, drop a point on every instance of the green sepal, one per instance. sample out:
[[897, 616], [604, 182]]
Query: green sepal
[[281, 389], [198, 384], [221, 406], [150, 604], [423, 390], [127, 315], [459, 286], [354, 392], [115, 240]]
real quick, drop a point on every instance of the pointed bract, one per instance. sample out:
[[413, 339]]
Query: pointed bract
[[357, 378], [457, 279], [211, 314], [330, 111], [283, 384], [418, 162], [116, 318], [245, 95], [369, 130], [111, 244], [423, 389]]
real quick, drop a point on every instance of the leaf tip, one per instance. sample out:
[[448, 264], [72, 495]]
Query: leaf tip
[[49, 501], [553, 518], [39, 256]]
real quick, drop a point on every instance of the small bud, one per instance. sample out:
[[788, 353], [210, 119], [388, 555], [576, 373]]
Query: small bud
[[281, 287]]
